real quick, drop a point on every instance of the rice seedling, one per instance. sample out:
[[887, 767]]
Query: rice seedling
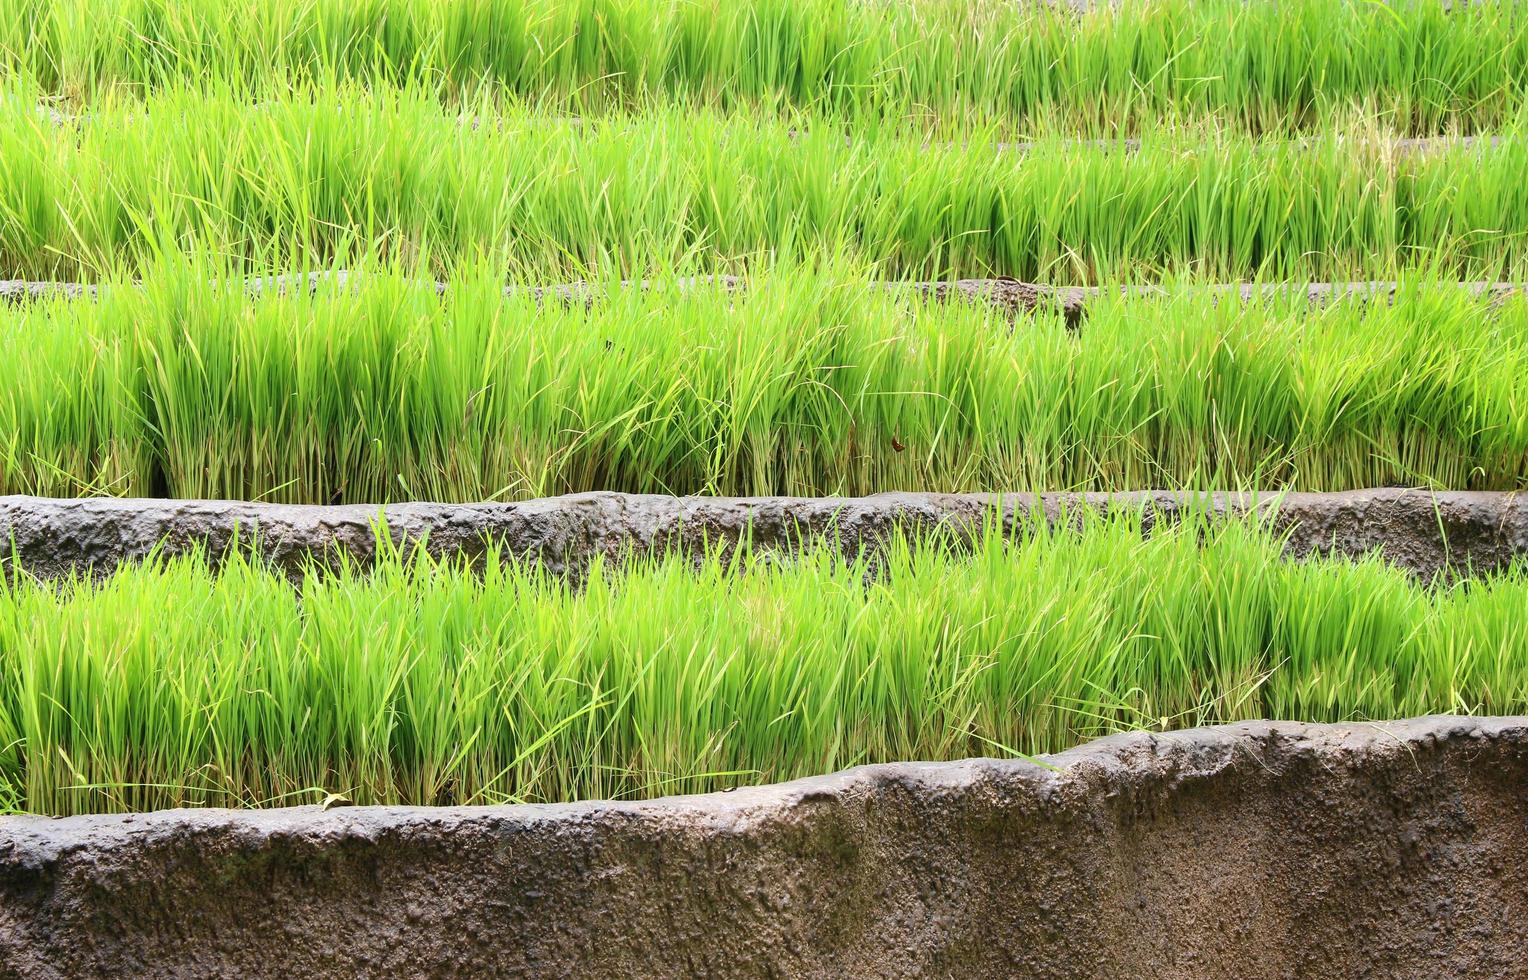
[[427, 683], [810, 382], [1426, 66], [555, 198]]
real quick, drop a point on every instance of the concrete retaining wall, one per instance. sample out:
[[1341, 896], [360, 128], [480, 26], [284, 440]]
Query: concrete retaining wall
[[1422, 531], [1255, 850], [1007, 294]]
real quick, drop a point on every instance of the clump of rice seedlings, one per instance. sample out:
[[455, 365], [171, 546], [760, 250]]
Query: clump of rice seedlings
[[431, 683], [1425, 65], [814, 380], [558, 196]]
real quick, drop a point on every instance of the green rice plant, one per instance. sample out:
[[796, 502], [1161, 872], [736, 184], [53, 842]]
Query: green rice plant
[[811, 381], [1426, 66], [389, 171], [431, 683]]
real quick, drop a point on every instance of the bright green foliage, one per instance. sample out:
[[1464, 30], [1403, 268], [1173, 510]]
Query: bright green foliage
[[809, 382], [1262, 66], [433, 684], [820, 147], [306, 179]]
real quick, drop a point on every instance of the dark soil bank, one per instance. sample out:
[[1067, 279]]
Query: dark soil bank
[[1422, 531], [1255, 850]]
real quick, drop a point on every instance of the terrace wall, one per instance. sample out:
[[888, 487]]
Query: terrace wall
[[1422, 531], [1261, 849]]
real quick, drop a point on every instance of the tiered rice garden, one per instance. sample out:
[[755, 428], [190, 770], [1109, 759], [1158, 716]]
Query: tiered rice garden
[[744, 193]]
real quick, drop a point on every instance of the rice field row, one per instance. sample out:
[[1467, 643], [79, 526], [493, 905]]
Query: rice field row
[[303, 182], [1424, 65], [427, 683], [807, 383]]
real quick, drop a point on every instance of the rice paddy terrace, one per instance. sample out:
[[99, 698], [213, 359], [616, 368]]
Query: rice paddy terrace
[[1046, 479]]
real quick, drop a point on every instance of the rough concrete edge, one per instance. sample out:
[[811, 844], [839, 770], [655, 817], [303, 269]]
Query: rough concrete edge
[[1009, 295], [1422, 531], [1400, 145], [1170, 759]]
